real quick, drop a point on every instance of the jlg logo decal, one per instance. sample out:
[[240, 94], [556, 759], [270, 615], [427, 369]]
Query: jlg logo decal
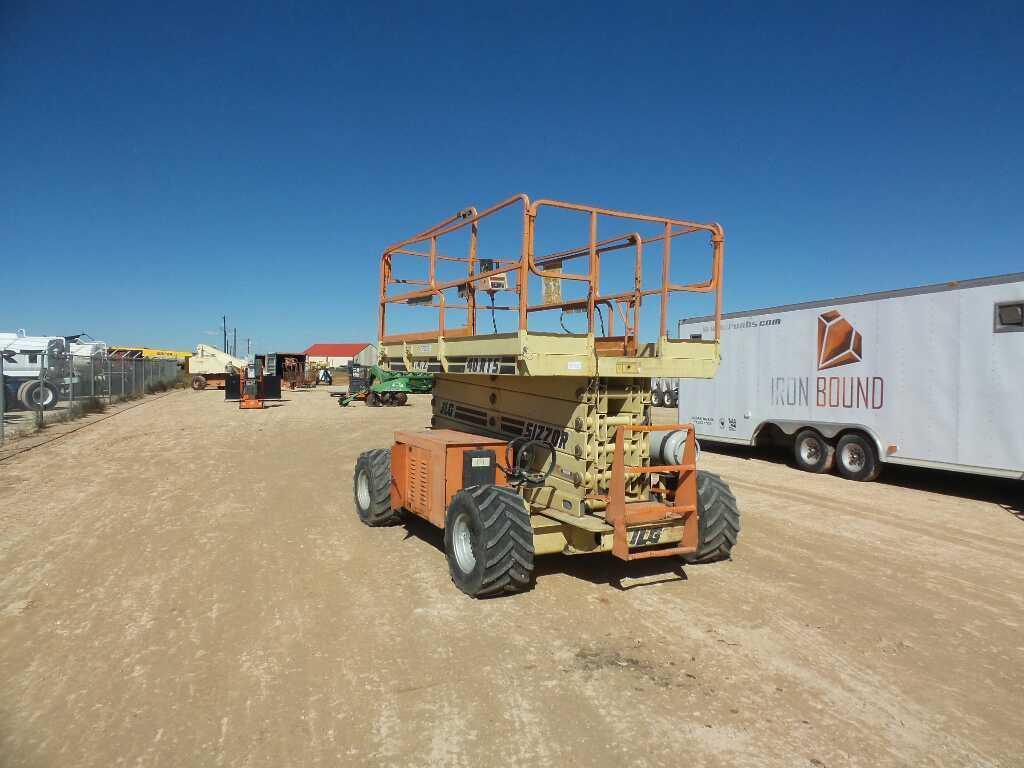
[[642, 537]]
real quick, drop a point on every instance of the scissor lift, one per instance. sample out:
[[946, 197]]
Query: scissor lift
[[539, 441]]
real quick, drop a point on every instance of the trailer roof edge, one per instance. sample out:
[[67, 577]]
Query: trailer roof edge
[[951, 285]]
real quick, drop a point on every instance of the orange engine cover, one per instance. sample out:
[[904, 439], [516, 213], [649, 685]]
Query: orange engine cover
[[426, 469]]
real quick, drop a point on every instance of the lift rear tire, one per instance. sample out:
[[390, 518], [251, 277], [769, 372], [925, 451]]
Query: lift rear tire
[[719, 519], [488, 540], [372, 488], [399, 398], [856, 458], [812, 452]]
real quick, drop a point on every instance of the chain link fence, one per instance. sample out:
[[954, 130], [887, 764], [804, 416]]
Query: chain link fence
[[66, 386]]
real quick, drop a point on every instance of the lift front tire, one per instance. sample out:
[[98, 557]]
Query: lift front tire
[[488, 540], [372, 488], [856, 458], [719, 517], [812, 452]]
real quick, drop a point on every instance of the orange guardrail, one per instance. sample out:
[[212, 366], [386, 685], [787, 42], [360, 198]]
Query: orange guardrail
[[626, 304]]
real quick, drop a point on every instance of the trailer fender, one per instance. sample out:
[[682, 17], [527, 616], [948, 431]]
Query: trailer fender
[[831, 430]]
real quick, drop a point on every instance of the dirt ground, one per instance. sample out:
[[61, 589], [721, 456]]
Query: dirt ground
[[187, 584]]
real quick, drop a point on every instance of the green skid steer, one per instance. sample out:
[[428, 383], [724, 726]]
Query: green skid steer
[[377, 386]]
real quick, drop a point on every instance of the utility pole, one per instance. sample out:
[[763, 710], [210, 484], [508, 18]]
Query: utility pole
[[234, 343], [248, 348], [224, 328]]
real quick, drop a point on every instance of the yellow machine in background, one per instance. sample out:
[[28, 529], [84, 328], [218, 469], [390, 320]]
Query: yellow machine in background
[[149, 353]]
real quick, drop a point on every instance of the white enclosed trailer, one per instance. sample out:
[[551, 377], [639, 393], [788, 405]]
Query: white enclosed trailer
[[930, 376]]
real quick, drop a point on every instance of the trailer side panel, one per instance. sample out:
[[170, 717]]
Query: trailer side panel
[[926, 374]]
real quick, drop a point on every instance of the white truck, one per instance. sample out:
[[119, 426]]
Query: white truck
[[930, 376], [65, 362], [23, 358]]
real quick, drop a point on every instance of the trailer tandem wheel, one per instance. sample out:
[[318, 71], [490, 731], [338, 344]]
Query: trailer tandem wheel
[[488, 540], [856, 458], [812, 452]]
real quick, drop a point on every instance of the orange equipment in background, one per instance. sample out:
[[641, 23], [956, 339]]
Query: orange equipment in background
[[251, 388]]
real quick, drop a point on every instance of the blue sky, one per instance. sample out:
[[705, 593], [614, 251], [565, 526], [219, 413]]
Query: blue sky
[[164, 164]]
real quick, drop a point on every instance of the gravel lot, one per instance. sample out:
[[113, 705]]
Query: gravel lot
[[186, 584]]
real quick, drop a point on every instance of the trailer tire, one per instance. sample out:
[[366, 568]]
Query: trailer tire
[[856, 458], [670, 399], [488, 541], [656, 398], [812, 452], [719, 519], [372, 488], [198, 383], [28, 395]]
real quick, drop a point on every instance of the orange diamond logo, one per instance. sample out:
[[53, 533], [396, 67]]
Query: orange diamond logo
[[839, 343]]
